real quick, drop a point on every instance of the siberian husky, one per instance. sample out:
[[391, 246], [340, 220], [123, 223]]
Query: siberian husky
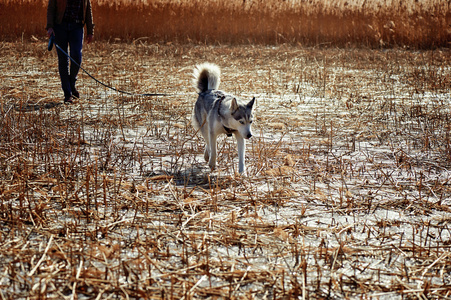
[[217, 112]]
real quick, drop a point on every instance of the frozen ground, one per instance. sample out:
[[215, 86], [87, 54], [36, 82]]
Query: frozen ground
[[346, 195]]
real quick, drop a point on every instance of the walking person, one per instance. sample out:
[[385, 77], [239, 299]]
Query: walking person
[[65, 20]]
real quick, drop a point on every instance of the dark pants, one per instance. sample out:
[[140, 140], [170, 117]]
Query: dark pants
[[69, 34]]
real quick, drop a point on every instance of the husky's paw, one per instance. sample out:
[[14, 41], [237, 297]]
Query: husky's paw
[[212, 165], [242, 174], [206, 155]]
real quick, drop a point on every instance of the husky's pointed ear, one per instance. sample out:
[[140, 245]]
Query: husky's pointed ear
[[251, 103], [234, 105]]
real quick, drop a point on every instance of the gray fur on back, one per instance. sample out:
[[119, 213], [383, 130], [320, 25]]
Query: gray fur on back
[[207, 101]]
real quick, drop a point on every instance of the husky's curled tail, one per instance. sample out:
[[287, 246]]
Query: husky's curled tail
[[207, 77]]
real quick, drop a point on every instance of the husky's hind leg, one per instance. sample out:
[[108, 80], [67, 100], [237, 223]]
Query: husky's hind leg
[[212, 149], [204, 132]]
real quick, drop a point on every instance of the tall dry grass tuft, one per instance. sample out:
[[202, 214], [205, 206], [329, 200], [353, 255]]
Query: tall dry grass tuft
[[418, 24]]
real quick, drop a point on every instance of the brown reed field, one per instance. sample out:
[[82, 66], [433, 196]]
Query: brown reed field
[[378, 23], [347, 193]]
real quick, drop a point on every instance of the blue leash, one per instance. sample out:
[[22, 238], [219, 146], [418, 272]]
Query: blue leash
[[50, 47]]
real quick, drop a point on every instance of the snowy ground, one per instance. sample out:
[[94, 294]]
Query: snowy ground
[[346, 195]]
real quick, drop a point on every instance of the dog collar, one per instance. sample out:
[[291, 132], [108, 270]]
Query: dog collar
[[228, 130]]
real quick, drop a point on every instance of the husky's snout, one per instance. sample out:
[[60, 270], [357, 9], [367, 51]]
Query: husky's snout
[[245, 131]]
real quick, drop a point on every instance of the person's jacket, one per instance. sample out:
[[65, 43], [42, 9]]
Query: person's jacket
[[56, 9]]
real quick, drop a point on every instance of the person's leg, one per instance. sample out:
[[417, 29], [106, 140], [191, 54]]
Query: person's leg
[[76, 45], [61, 39]]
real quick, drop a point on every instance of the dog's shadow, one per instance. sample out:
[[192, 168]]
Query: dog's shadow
[[194, 176]]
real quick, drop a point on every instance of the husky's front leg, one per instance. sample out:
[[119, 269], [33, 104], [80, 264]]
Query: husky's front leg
[[241, 143]]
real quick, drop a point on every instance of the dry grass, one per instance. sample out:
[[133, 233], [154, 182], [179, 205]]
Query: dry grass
[[410, 23], [347, 195]]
